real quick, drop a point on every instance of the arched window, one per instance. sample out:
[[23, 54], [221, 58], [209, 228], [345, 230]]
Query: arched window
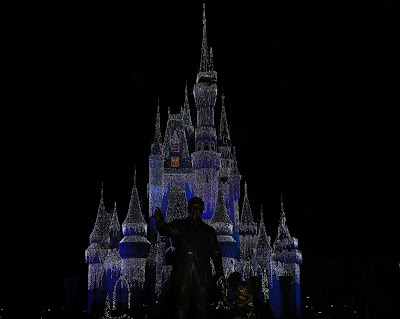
[[206, 146]]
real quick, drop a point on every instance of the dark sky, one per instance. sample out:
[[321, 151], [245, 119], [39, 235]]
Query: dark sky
[[310, 90]]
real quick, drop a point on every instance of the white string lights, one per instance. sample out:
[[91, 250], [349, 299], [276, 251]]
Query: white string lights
[[189, 161]]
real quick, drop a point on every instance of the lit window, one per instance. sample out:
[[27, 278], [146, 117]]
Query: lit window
[[175, 161], [175, 148]]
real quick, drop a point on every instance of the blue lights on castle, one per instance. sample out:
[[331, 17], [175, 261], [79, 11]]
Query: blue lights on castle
[[129, 267]]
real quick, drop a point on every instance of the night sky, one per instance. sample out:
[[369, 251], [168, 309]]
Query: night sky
[[311, 93]]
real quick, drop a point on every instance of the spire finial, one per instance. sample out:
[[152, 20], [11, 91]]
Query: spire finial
[[134, 176], [204, 59], [282, 204]]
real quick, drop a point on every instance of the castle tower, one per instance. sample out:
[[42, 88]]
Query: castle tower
[[205, 159], [285, 293], [95, 255], [115, 229], [224, 228], [224, 137], [263, 256], [247, 229], [187, 121], [134, 249]]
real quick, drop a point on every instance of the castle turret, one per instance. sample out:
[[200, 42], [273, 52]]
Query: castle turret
[[286, 280], [224, 145], [134, 244], [206, 159], [95, 255], [100, 234], [224, 138], [134, 249], [224, 228], [263, 257], [263, 244], [247, 228], [220, 220], [187, 121], [115, 229]]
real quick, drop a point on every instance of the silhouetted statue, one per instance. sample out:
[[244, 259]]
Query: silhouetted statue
[[195, 242]]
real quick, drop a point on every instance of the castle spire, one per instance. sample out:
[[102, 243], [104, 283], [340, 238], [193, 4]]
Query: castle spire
[[156, 147], [204, 58], [263, 240], [115, 225], [187, 119], [100, 233], [247, 216], [283, 230], [235, 168], [134, 223], [224, 135], [115, 228], [220, 219]]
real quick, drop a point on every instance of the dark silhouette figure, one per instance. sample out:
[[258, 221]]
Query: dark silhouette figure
[[195, 242]]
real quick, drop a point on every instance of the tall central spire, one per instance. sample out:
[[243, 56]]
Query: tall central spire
[[205, 57]]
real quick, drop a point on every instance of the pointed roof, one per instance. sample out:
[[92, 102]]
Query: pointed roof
[[100, 230], [134, 218], [247, 216], [156, 147], [114, 224], [186, 118], [247, 223], [223, 126], [283, 230], [235, 168], [220, 219], [204, 58], [263, 240]]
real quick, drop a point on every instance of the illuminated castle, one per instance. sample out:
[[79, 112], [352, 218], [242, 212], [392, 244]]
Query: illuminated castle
[[131, 269]]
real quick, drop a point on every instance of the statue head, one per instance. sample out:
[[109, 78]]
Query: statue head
[[195, 207]]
